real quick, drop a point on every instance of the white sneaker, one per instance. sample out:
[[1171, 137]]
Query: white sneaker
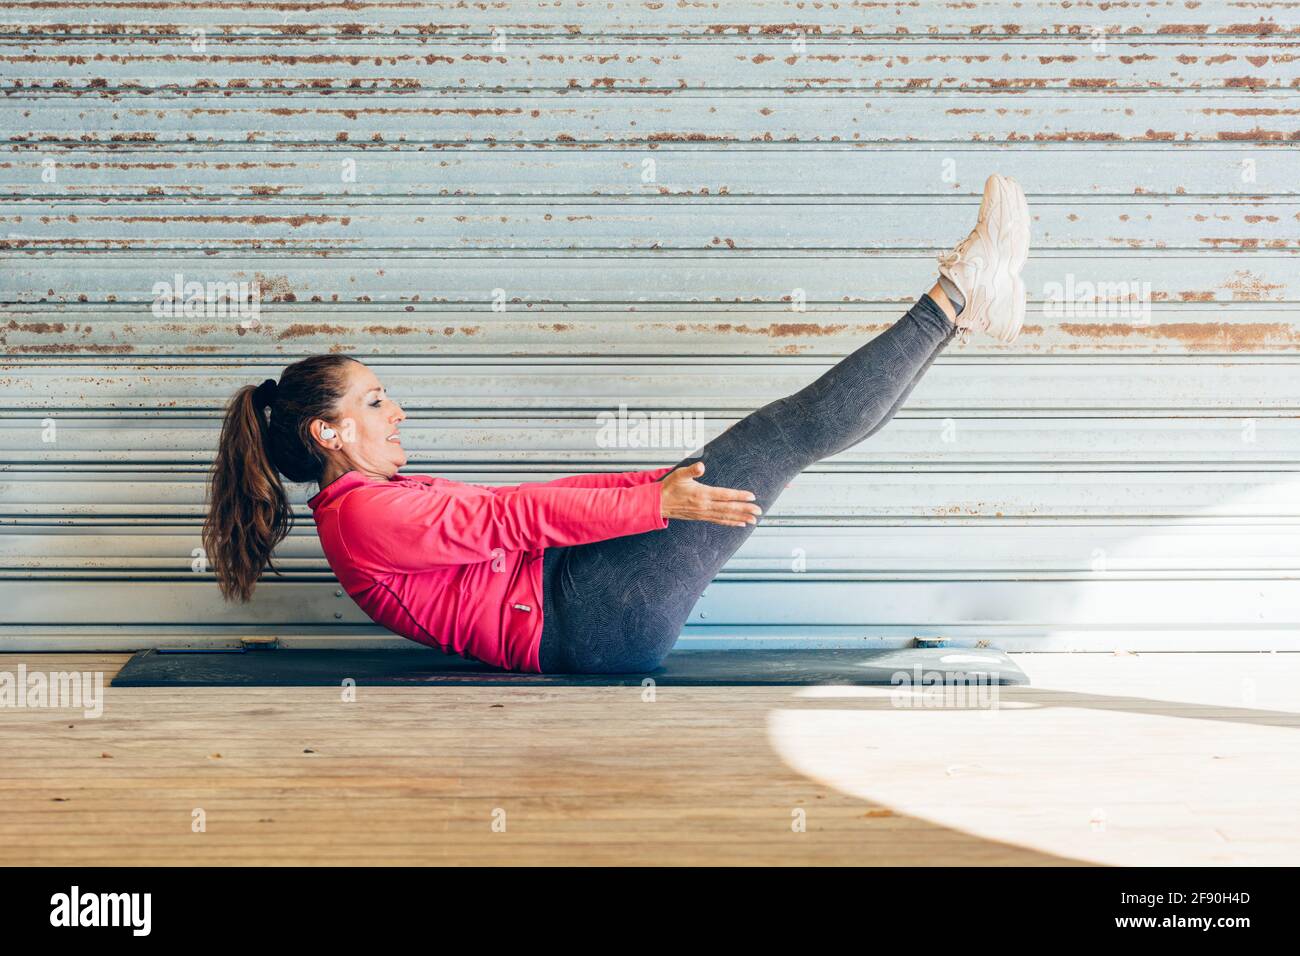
[[986, 266]]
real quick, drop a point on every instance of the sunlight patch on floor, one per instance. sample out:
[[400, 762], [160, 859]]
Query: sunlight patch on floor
[[1158, 783]]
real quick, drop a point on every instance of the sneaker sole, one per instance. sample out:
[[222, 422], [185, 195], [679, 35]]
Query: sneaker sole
[[1009, 221]]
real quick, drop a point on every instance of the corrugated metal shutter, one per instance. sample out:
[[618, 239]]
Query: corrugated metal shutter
[[649, 191]]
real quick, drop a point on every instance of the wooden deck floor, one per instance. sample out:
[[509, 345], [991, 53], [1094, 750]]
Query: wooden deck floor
[[1151, 759]]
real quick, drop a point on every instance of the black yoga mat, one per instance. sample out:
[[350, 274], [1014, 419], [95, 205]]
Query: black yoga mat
[[287, 667]]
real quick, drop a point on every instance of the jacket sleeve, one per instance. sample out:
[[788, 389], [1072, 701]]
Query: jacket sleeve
[[617, 479], [413, 528]]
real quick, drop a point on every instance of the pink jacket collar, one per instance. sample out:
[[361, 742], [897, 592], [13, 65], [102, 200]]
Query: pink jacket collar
[[341, 485]]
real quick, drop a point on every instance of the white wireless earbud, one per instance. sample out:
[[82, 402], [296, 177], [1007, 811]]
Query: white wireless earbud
[[327, 432]]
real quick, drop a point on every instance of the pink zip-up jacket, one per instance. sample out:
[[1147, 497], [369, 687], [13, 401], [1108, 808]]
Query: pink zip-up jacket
[[459, 566]]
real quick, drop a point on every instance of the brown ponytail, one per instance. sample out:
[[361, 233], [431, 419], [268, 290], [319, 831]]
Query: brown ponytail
[[266, 433]]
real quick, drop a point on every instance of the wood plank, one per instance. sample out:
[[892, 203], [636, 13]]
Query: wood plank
[[407, 776]]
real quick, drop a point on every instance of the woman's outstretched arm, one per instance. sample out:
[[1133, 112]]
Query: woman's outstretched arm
[[412, 526], [606, 479]]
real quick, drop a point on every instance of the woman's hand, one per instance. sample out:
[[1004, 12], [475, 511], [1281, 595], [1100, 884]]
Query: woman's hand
[[681, 496]]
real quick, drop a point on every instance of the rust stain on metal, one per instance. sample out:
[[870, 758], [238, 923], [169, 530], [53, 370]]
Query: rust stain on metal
[[1247, 287], [277, 288], [777, 330], [687, 138], [298, 330], [37, 328], [252, 219], [1263, 28], [64, 348], [1081, 136], [765, 29], [1195, 336]]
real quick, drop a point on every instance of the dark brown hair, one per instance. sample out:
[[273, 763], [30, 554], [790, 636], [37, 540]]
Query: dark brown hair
[[248, 510]]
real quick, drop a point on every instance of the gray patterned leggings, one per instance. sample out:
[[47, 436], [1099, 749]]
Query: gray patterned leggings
[[618, 605]]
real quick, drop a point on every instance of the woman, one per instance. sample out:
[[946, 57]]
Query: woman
[[588, 574]]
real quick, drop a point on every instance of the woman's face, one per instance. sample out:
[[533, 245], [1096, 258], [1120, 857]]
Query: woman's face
[[365, 431]]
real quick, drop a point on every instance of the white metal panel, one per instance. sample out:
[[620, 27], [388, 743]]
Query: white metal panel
[[653, 187]]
